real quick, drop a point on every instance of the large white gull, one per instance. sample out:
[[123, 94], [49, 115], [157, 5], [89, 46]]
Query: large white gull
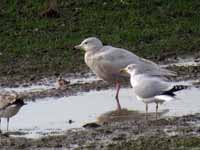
[[106, 62]]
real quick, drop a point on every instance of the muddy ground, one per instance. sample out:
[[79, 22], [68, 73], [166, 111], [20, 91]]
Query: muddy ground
[[131, 133], [184, 73], [179, 133]]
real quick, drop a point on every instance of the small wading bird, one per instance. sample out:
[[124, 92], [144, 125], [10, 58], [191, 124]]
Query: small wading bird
[[151, 89], [10, 104], [62, 83], [106, 61]]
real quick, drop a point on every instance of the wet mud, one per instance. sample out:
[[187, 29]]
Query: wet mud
[[169, 133], [111, 130]]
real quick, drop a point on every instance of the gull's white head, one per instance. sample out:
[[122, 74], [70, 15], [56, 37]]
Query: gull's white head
[[90, 44], [131, 69]]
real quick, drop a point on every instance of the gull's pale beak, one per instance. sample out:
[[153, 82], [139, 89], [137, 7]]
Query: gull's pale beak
[[123, 70], [77, 47]]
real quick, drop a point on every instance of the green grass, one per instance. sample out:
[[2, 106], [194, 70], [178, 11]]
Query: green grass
[[151, 29]]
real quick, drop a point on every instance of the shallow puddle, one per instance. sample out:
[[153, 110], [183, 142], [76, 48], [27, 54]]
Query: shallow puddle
[[50, 83], [54, 115], [185, 62], [31, 88]]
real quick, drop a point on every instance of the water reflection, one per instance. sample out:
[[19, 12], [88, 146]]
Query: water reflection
[[125, 115]]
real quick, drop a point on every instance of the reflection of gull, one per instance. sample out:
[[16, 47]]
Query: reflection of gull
[[126, 115], [151, 89], [106, 61], [10, 104]]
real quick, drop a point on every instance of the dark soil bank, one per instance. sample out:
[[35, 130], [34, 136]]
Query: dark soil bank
[[183, 73], [179, 133]]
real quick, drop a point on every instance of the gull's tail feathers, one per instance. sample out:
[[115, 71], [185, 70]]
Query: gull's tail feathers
[[170, 94], [175, 88], [155, 69]]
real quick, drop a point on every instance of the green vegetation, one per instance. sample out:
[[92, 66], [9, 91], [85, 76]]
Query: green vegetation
[[153, 29]]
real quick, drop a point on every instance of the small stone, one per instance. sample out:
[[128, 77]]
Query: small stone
[[91, 125], [70, 121]]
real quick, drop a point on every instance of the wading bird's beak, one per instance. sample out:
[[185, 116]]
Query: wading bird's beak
[[123, 70], [77, 47]]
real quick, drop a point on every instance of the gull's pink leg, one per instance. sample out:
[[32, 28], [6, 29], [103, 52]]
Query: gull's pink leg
[[146, 111], [117, 96]]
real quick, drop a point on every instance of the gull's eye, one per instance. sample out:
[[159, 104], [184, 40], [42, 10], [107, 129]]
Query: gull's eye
[[86, 43]]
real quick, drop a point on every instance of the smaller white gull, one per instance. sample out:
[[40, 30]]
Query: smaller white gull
[[151, 89]]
